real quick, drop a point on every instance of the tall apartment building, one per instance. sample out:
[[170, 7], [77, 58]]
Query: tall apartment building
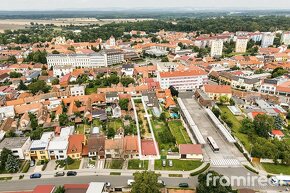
[[267, 39], [183, 80], [216, 48], [102, 59], [241, 44], [285, 38]]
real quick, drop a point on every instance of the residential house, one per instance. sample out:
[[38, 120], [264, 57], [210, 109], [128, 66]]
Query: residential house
[[77, 90], [131, 147], [216, 91], [190, 151], [128, 69], [114, 148], [7, 111], [76, 144], [18, 146], [117, 112], [96, 145], [58, 146], [277, 134], [39, 148], [24, 122]]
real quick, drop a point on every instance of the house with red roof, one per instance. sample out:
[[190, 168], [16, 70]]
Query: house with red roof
[[216, 91], [76, 145], [277, 134], [39, 189], [190, 151]]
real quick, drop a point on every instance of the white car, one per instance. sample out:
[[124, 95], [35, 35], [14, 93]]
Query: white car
[[130, 182]]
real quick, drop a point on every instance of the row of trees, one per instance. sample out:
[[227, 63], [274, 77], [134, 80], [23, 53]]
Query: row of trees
[[203, 25], [8, 163]]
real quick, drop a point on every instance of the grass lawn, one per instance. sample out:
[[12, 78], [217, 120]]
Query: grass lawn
[[159, 127], [179, 132], [115, 124], [178, 165], [89, 91], [74, 166], [236, 127], [114, 164], [276, 169], [80, 129], [133, 164]]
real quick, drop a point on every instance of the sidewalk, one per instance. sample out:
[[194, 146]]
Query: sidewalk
[[105, 172]]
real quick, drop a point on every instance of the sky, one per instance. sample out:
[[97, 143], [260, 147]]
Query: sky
[[12, 5]]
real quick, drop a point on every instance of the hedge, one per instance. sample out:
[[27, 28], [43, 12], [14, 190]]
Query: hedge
[[251, 169], [26, 167], [200, 171]]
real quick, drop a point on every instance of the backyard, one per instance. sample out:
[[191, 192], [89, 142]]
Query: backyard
[[178, 165], [236, 125], [115, 124], [276, 169], [179, 132], [134, 164]]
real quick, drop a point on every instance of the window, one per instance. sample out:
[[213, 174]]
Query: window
[[43, 157], [41, 152], [61, 151]]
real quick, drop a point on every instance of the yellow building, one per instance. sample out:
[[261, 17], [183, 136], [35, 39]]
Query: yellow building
[[38, 149]]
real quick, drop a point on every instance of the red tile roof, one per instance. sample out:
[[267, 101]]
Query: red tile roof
[[278, 133], [75, 143], [182, 73], [190, 149], [225, 89], [148, 147]]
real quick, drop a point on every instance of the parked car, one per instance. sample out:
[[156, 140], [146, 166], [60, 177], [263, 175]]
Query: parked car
[[170, 163], [161, 182], [32, 163], [183, 185], [35, 175], [71, 173], [108, 184], [163, 162], [130, 182], [59, 174]]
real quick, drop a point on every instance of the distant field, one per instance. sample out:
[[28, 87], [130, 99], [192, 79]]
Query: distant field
[[22, 23]]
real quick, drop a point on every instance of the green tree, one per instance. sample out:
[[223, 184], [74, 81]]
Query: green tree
[[123, 103], [55, 81], [12, 59], [174, 91], [55, 52], [212, 186], [12, 164], [15, 75], [278, 124], [111, 133], [38, 57], [127, 80], [22, 86], [37, 86], [3, 157], [63, 119], [263, 125], [247, 127], [224, 99], [278, 72], [165, 59], [216, 111], [145, 182], [33, 121]]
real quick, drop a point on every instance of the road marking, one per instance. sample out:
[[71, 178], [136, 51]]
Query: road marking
[[226, 163]]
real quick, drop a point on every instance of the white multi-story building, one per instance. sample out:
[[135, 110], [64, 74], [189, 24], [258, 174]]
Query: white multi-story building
[[183, 80], [241, 44], [216, 48], [18, 145], [77, 90], [96, 60], [267, 39], [60, 71], [285, 38]]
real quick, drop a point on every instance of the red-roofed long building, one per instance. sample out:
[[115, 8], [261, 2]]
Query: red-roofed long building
[[183, 80]]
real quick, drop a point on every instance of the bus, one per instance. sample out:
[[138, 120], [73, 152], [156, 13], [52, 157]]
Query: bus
[[280, 180], [213, 144]]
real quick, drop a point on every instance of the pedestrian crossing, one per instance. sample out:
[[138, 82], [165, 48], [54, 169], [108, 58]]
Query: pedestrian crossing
[[225, 163], [100, 164]]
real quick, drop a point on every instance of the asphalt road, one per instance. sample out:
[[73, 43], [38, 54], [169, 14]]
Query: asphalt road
[[116, 181]]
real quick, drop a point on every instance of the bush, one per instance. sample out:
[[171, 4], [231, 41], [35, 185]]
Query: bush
[[44, 167], [25, 167], [201, 170]]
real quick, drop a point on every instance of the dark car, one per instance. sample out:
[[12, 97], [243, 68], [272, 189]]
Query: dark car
[[35, 175], [183, 185], [59, 174], [71, 173]]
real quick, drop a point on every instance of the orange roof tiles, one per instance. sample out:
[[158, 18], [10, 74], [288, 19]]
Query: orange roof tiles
[[208, 88], [75, 143], [131, 143]]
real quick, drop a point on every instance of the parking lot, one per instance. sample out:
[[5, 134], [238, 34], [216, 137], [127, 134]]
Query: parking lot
[[229, 155]]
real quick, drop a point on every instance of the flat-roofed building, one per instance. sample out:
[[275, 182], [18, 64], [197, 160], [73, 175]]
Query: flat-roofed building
[[241, 44], [18, 145]]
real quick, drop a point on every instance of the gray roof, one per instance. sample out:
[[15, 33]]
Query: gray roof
[[14, 142]]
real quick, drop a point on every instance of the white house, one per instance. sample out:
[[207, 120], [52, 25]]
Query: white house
[[18, 145], [128, 69], [77, 90], [57, 148], [7, 111], [190, 151]]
